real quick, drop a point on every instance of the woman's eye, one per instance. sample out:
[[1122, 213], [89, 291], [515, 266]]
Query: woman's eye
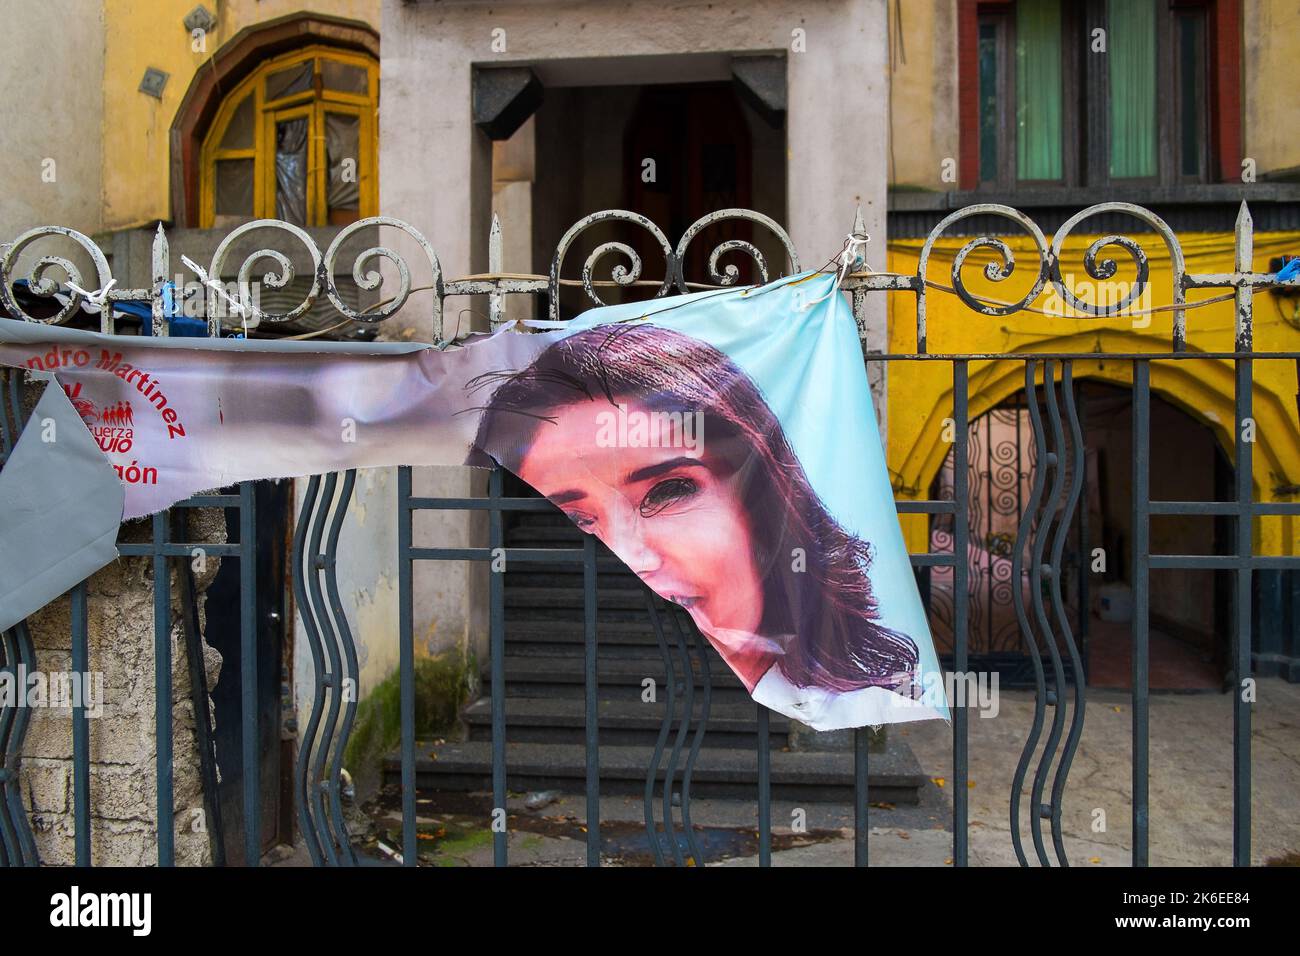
[[584, 522], [666, 493]]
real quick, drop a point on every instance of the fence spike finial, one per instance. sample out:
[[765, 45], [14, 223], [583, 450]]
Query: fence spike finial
[[496, 301], [494, 245]]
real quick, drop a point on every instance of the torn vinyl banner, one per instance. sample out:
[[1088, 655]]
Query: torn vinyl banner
[[722, 444]]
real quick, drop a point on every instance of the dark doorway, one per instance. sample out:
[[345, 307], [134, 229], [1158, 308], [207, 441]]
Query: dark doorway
[[274, 510], [687, 154], [671, 152], [1190, 611]]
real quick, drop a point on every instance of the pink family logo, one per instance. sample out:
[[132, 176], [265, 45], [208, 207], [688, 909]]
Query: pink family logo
[[111, 425], [119, 414]]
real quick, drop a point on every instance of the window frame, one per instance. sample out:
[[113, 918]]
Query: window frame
[[1086, 121], [314, 103]]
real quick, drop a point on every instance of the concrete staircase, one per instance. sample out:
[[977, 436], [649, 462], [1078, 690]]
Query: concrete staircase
[[544, 697]]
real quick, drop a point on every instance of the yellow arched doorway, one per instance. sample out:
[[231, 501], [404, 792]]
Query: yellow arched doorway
[[1191, 396]]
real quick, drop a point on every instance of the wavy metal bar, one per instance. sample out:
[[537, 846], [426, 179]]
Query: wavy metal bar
[[697, 738], [961, 498], [1076, 664], [764, 754], [26, 655], [590, 693], [8, 433], [732, 273], [497, 652], [17, 846], [406, 664], [348, 670], [321, 744], [302, 788], [620, 274], [1140, 555], [10, 850], [993, 271], [1039, 571], [652, 772], [688, 702], [1031, 642]]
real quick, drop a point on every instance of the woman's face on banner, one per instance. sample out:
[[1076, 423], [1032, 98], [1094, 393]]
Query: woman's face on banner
[[671, 514]]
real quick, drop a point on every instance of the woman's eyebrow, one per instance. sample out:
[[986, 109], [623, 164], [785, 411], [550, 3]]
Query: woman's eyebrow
[[658, 468], [564, 497]]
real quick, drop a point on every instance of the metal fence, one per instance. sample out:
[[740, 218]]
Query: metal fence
[[1043, 622]]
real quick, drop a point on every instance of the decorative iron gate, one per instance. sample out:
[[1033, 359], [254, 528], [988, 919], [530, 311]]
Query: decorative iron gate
[[1044, 625]]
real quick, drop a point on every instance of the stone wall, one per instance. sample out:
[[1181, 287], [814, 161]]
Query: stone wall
[[123, 775]]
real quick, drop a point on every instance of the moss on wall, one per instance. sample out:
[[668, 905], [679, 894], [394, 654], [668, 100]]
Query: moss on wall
[[442, 685]]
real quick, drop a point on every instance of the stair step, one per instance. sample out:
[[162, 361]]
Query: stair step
[[622, 722], [538, 575], [528, 637], [605, 614], [546, 629], [618, 678], [531, 536], [895, 776], [540, 519], [610, 672], [562, 597]]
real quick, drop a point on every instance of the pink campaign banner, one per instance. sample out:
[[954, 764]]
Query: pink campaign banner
[[723, 445]]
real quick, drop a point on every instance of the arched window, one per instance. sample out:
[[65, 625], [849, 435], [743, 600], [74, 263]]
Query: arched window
[[295, 140]]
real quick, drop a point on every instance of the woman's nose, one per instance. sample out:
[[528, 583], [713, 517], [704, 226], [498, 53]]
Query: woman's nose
[[627, 540]]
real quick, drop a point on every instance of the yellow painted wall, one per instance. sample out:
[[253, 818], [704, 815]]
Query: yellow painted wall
[[920, 393], [144, 33], [1271, 34], [923, 94]]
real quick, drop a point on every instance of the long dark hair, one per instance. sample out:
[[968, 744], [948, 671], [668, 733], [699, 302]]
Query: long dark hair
[[827, 606]]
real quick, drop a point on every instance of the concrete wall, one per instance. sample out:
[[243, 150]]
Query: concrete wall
[[833, 165], [51, 114], [53, 136]]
